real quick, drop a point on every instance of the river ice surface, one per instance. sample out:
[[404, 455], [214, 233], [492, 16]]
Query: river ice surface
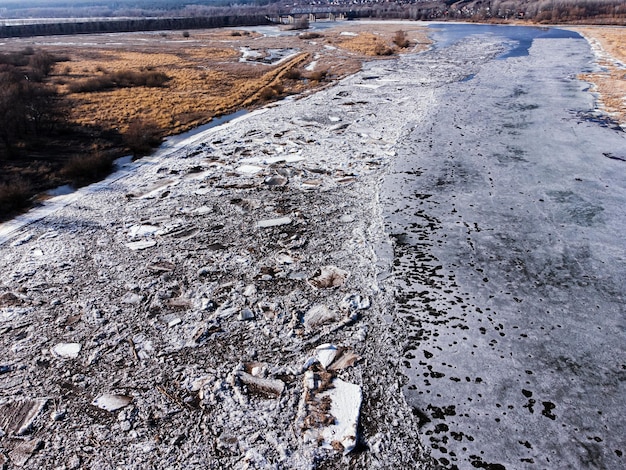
[[506, 205]]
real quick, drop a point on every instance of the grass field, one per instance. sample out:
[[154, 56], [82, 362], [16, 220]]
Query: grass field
[[207, 76]]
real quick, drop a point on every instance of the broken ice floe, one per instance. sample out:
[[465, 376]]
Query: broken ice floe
[[272, 388], [325, 354], [355, 302], [276, 180], [112, 402], [22, 452], [273, 222], [332, 358], [17, 417], [141, 245], [319, 315], [66, 350], [327, 277], [141, 231], [330, 411], [249, 170]]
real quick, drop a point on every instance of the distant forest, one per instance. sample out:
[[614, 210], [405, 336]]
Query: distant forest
[[25, 17]]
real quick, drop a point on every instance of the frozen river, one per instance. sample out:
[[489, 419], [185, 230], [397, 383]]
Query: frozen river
[[506, 204]]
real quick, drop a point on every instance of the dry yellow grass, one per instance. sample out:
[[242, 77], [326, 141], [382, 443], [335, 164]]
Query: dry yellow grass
[[610, 44], [207, 77]]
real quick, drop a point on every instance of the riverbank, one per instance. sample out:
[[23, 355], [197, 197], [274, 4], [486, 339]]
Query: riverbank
[[186, 313], [609, 46], [118, 94]]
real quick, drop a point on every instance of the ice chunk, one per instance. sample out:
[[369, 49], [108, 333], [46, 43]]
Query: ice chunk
[[16, 417], [249, 170], [327, 277], [319, 315], [111, 401], [325, 354], [141, 231], [141, 245], [345, 405], [273, 222], [355, 302], [267, 387], [66, 350]]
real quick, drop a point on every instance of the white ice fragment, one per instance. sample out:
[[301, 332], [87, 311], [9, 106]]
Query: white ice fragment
[[249, 291], [174, 322], [249, 170], [141, 231], [347, 218], [36, 252], [355, 302], [202, 210], [246, 314], [273, 222], [141, 245], [112, 402], [66, 350], [131, 298], [327, 277], [348, 33], [284, 258], [20, 241], [334, 118], [267, 387], [345, 407], [319, 315], [325, 354]]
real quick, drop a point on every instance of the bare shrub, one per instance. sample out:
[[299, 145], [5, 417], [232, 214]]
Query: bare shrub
[[310, 35], [382, 50], [120, 79], [85, 169], [293, 74], [267, 93], [317, 75], [401, 40], [142, 136], [14, 195]]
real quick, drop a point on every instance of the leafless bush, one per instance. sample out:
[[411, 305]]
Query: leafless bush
[[310, 35], [400, 39], [142, 136], [14, 195], [382, 49], [85, 169], [267, 93], [120, 79], [317, 75], [293, 74]]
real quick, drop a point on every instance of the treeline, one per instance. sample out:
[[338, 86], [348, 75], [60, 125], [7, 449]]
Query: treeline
[[130, 25], [543, 11]]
